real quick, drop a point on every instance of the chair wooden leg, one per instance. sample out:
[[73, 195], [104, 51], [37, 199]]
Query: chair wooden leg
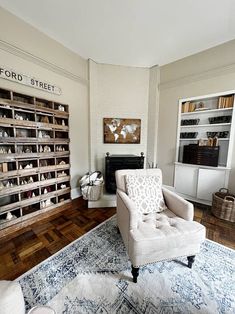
[[191, 260], [135, 273]]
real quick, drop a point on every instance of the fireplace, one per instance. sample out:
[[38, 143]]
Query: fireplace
[[118, 162]]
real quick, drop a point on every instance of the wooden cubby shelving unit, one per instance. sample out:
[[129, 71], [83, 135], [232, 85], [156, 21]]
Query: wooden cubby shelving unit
[[34, 156]]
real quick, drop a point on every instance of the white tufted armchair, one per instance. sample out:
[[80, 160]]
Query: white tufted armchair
[[151, 236]]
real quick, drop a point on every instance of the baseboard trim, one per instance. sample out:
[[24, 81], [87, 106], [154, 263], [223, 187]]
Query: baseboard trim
[[106, 200]]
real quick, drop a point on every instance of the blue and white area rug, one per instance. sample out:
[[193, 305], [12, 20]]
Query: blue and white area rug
[[93, 275]]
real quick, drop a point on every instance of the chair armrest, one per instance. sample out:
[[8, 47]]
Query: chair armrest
[[126, 210], [178, 205]]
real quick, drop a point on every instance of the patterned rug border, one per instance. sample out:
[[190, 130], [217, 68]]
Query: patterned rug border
[[224, 246], [61, 250]]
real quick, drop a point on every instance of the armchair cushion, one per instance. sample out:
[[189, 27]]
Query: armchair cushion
[[11, 298], [146, 192], [160, 236]]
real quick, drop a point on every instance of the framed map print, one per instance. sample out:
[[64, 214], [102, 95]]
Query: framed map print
[[121, 131]]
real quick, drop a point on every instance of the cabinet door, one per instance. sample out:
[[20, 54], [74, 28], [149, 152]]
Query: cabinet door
[[186, 180], [209, 181]]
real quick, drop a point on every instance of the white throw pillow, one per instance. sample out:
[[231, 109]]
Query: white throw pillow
[[146, 193], [11, 298]]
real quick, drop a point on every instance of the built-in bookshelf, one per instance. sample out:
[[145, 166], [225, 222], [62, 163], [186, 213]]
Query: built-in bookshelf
[[34, 156], [204, 145]]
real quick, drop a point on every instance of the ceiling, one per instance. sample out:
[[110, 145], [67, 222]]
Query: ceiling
[[131, 32]]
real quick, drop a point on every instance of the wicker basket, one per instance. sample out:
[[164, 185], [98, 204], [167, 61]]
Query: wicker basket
[[223, 205], [92, 192]]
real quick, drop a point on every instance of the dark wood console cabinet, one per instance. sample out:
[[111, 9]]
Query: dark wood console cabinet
[[118, 162]]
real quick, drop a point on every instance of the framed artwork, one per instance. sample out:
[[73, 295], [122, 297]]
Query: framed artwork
[[122, 131]]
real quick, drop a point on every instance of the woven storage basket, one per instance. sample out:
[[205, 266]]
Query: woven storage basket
[[92, 192], [223, 205]]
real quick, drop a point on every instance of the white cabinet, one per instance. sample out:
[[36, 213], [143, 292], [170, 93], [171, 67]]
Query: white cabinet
[[200, 118], [199, 182], [209, 181], [186, 180]]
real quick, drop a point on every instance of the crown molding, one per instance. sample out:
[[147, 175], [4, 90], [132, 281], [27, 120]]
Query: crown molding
[[198, 77], [41, 62]]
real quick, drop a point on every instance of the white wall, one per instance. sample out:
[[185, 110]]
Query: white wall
[[153, 113], [207, 72], [120, 92], [26, 50]]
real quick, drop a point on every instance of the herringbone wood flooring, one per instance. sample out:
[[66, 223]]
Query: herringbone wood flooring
[[31, 245]]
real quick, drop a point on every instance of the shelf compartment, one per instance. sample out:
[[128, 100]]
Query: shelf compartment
[[48, 203], [8, 186], [47, 162], [61, 121], [44, 118], [28, 164], [62, 185], [6, 132], [47, 189], [61, 134], [45, 134], [206, 111], [7, 149], [62, 173], [63, 196], [6, 218], [24, 115], [61, 161], [30, 209], [22, 148], [22, 98], [43, 103], [7, 166], [29, 194], [9, 202], [60, 108], [5, 113], [28, 181], [205, 138], [45, 149], [5, 94], [47, 175], [25, 133], [204, 125], [61, 148]]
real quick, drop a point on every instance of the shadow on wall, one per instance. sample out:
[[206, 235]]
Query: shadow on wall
[[231, 185], [75, 181]]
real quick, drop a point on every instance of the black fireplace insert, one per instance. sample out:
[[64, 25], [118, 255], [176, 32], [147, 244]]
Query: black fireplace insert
[[118, 162]]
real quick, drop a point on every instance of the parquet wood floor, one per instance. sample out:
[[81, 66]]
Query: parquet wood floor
[[29, 246]]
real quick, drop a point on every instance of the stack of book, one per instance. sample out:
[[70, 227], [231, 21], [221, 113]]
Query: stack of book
[[188, 107], [225, 102]]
